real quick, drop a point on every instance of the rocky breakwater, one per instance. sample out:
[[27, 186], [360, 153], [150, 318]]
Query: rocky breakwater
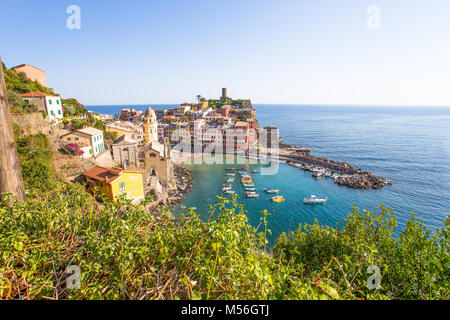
[[346, 174], [364, 180]]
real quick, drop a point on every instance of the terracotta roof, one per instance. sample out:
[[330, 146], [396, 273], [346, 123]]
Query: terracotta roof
[[106, 174], [25, 64], [38, 94]]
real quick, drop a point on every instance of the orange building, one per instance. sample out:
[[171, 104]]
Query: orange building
[[33, 73]]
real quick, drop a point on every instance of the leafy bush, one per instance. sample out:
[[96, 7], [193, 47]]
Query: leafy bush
[[414, 266], [36, 162], [20, 83], [127, 252]]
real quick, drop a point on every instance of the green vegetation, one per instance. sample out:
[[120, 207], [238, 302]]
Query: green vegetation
[[36, 161], [17, 104], [128, 252], [20, 83], [72, 108]]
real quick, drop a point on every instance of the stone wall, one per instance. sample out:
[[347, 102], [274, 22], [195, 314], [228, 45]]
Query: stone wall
[[31, 123]]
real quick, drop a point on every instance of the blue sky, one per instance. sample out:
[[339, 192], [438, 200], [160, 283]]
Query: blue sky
[[277, 51]]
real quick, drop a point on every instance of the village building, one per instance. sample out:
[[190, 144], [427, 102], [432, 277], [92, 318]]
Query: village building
[[114, 182], [119, 128], [49, 103], [125, 152], [32, 73], [89, 140], [224, 111], [156, 160], [130, 115]]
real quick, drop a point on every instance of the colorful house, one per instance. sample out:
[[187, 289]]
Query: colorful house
[[49, 103], [89, 140], [113, 182]]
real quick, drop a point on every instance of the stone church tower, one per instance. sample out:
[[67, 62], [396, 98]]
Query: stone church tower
[[150, 126]]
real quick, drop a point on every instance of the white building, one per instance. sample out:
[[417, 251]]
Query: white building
[[90, 141], [49, 103]]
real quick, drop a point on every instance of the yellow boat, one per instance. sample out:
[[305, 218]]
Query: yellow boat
[[278, 199]]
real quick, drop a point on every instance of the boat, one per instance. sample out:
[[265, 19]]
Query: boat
[[226, 185], [230, 192], [230, 174], [230, 169], [253, 195], [327, 174], [317, 174], [271, 190], [226, 188], [230, 180], [313, 199], [249, 185], [278, 199], [182, 187], [250, 189], [256, 171]]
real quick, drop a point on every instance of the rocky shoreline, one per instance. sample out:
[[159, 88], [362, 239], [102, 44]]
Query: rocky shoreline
[[184, 184]]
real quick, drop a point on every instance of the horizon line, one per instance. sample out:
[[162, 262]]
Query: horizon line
[[289, 104]]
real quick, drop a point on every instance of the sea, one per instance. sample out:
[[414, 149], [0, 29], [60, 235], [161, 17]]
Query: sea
[[410, 146]]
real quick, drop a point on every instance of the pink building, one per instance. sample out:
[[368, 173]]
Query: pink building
[[224, 111], [33, 73]]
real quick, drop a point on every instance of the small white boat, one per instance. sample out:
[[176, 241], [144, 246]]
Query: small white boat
[[230, 180], [230, 192], [314, 199], [271, 190], [250, 189], [252, 195], [226, 188], [230, 174]]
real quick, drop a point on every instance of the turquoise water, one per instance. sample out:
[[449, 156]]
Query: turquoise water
[[408, 145]]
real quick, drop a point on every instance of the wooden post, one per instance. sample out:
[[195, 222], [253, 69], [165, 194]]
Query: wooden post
[[10, 173]]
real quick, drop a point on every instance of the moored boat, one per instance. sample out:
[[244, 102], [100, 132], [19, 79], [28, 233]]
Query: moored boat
[[253, 195], [313, 199], [278, 199], [271, 190]]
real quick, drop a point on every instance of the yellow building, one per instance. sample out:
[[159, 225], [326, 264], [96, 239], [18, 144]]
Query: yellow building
[[112, 182], [118, 130]]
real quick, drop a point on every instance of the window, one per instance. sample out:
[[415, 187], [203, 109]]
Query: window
[[51, 112], [57, 101], [49, 101], [59, 111], [122, 187]]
